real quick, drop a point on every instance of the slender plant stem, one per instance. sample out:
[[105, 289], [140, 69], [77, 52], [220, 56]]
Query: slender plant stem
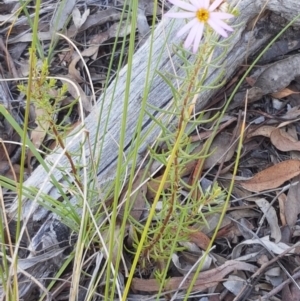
[[186, 112], [133, 6]]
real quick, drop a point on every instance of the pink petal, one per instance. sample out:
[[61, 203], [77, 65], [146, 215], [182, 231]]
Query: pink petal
[[216, 27], [205, 4], [196, 3], [183, 5], [214, 5], [190, 38], [187, 27], [180, 15], [198, 37], [219, 15], [220, 23]]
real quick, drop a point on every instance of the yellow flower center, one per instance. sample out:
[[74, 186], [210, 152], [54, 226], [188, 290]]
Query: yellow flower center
[[202, 15]]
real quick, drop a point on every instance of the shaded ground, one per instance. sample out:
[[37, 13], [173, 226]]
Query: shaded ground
[[255, 255]]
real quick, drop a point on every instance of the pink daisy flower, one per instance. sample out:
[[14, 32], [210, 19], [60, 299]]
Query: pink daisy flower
[[202, 13]]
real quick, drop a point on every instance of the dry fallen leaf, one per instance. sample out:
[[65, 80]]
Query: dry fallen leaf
[[284, 93], [86, 102], [276, 248], [95, 42], [234, 284], [97, 18], [282, 198], [283, 141], [204, 280], [199, 238], [271, 216], [116, 30], [244, 226], [222, 150], [142, 22], [273, 176], [291, 114], [118, 243], [265, 131], [39, 133], [292, 204], [275, 77], [292, 131], [250, 81], [79, 19], [184, 267], [61, 15], [11, 18]]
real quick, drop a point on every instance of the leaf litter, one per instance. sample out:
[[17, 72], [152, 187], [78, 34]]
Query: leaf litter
[[254, 253]]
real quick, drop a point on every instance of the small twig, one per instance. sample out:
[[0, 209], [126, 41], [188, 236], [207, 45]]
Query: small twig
[[278, 288], [246, 290]]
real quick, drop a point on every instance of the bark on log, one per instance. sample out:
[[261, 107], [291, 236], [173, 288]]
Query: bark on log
[[243, 44]]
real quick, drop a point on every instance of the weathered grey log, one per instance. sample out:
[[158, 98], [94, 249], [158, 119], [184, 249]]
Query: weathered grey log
[[243, 44]]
